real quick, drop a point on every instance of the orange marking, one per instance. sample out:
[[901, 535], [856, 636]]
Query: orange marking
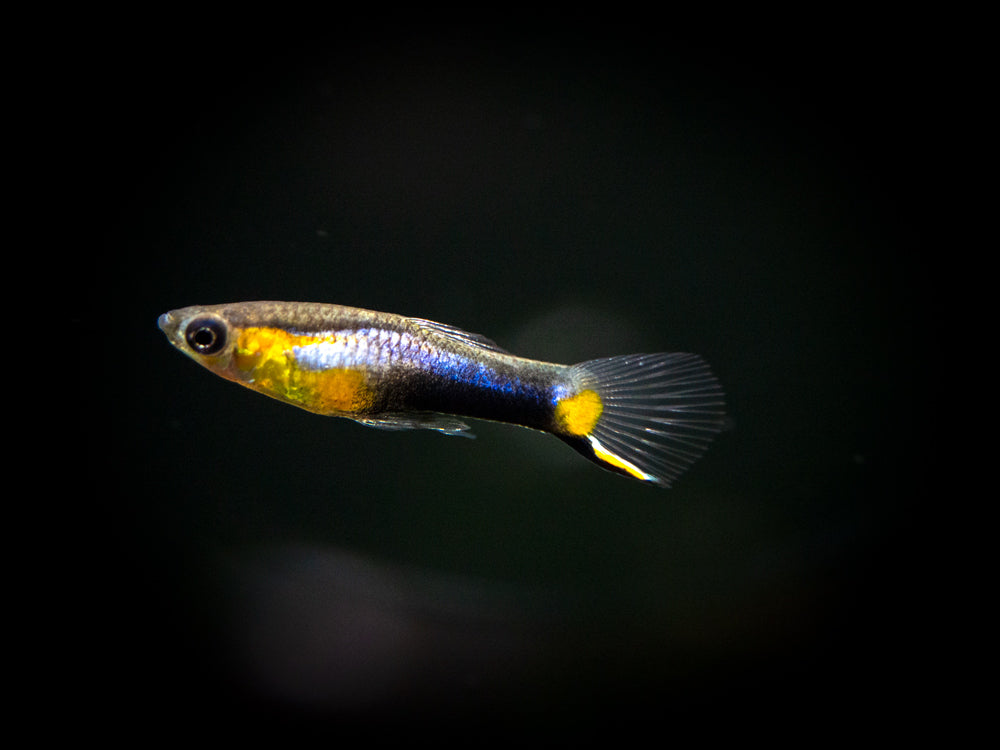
[[263, 361], [577, 415]]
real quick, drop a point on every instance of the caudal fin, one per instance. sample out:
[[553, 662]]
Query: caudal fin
[[655, 413]]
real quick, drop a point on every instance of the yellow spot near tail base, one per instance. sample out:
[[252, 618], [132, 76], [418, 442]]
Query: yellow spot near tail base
[[577, 415]]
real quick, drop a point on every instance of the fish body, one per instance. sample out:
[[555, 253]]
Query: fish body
[[648, 416]]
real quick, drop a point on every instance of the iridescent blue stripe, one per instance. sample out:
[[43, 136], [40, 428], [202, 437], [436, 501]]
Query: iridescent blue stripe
[[379, 349]]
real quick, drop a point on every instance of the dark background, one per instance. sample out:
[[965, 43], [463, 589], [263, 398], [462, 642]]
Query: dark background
[[571, 193]]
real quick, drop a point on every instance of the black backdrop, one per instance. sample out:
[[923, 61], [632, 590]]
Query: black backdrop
[[571, 194]]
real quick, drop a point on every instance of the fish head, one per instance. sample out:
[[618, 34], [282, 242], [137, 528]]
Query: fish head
[[206, 335], [257, 345]]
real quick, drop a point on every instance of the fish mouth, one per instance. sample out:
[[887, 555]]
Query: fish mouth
[[168, 324]]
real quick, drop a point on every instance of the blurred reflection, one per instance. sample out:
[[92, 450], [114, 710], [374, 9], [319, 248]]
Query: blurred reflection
[[328, 629]]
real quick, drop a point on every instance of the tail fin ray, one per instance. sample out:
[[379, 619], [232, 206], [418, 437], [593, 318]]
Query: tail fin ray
[[659, 412]]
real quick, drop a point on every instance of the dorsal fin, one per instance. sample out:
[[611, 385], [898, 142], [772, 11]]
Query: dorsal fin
[[457, 334]]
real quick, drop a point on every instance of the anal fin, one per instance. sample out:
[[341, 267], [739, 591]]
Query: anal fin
[[419, 421]]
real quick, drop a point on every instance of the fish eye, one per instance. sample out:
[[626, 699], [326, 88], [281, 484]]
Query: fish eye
[[206, 335]]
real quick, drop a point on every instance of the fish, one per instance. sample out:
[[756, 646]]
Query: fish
[[644, 416]]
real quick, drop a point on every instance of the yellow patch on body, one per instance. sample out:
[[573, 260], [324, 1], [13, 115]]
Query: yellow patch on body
[[342, 391], [577, 414], [263, 361]]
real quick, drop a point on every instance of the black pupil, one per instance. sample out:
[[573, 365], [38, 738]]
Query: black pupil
[[206, 336]]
